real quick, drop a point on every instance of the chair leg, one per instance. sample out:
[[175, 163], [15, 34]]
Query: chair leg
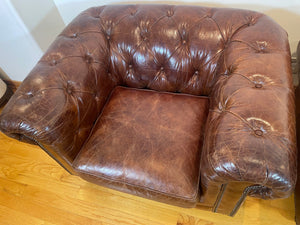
[[231, 197]]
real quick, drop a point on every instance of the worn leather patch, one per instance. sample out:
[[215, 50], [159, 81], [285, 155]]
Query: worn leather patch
[[148, 140]]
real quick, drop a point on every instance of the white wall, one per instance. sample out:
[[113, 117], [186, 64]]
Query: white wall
[[19, 51], [29, 26], [41, 18]]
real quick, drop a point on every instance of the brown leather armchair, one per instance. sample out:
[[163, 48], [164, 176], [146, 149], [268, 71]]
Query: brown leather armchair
[[181, 104]]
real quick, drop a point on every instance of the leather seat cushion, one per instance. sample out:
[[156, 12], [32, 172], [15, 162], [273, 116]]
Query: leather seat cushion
[[147, 143]]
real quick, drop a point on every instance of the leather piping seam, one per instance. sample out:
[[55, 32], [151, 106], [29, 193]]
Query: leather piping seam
[[193, 198]]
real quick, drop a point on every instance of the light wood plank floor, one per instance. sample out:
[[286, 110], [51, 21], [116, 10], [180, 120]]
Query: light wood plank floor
[[34, 189]]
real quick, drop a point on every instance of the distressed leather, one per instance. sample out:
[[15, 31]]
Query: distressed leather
[[297, 94], [147, 143], [240, 59]]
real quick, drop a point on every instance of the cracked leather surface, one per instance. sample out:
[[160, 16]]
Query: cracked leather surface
[[149, 144], [239, 58]]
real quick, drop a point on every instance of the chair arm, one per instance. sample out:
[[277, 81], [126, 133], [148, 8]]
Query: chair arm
[[59, 101], [250, 133]]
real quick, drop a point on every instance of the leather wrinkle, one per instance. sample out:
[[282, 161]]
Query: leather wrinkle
[[81, 159], [231, 56]]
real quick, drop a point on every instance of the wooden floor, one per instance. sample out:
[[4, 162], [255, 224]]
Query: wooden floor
[[34, 189]]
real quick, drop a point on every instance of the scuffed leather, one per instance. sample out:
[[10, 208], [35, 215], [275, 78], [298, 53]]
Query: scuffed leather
[[297, 95], [239, 58], [59, 101], [148, 140], [250, 132]]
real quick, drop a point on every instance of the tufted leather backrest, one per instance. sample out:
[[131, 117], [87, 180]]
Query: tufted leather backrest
[[165, 48]]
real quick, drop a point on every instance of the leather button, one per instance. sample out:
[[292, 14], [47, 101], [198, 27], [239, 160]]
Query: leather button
[[227, 43], [196, 72], [251, 22], [231, 69], [130, 66], [170, 13], [69, 89], [108, 37], [74, 35], [54, 62], [258, 85], [29, 94], [162, 68], [258, 132], [88, 58], [184, 42], [261, 46]]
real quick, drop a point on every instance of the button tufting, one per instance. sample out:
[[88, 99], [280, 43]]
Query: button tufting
[[231, 69], [227, 43], [108, 37], [29, 94], [258, 85], [184, 42], [209, 15], [74, 35], [258, 132], [130, 66], [88, 58], [132, 13], [170, 13], [261, 46], [162, 68], [196, 72], [143, 35], [220, 107], [251, 21], [53, 62], [69, 88]]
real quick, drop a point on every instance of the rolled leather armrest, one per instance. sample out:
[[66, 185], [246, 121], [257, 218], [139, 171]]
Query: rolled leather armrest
[[59, 101], [250, 133]]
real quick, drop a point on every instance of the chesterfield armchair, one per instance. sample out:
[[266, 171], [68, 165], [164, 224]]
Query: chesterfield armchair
[[181, 104]]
